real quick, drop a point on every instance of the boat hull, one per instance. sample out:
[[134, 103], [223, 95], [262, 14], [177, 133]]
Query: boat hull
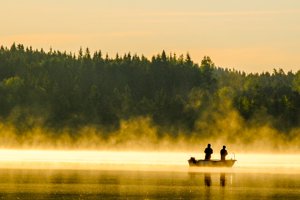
[[210, 163]]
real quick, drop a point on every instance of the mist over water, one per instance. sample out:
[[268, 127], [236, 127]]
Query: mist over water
[[144, 161], [137, 161], [138, 143], [56, 148], [139, 134], [95, 168], [53, 174]]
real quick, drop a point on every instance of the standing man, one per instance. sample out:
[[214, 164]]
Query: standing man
[[223, 153], [208, 151]]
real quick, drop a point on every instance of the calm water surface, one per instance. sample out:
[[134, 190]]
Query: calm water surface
[[134, 175], [105, 184]]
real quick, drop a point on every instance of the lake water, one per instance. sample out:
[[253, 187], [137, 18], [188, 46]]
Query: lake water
[[81, 175]]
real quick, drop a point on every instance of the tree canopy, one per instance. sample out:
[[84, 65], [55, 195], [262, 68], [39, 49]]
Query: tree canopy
[[57, 89]]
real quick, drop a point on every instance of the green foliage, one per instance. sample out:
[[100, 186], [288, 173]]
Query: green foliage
[[296, 83], [68, 91]]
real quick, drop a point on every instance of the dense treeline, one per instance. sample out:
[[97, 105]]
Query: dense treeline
[[57, 90]]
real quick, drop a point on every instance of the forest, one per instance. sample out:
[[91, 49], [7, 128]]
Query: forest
[[57, 90]]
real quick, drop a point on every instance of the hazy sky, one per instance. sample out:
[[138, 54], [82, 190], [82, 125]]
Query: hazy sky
[[253, 36]]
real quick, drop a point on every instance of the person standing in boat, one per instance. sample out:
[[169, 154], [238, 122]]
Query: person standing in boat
[[208, 151], [223, 153]]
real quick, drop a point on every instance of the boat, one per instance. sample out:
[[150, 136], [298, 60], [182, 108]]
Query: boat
[[210, 163]]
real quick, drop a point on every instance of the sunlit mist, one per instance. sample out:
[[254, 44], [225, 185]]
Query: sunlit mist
[[150, 161]]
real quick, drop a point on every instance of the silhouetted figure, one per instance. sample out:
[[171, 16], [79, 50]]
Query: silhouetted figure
[[208, 151], [223, 153]]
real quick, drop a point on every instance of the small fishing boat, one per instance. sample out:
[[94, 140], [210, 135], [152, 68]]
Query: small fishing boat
[[210, 163]]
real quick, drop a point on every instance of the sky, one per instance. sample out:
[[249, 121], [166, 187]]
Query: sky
[[251, 36]]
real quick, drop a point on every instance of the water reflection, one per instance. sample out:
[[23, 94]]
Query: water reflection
[[210, 191], [207, 179], [222, 179], [111, 185]]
